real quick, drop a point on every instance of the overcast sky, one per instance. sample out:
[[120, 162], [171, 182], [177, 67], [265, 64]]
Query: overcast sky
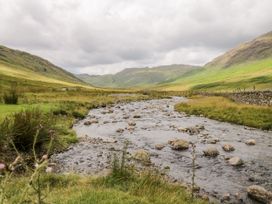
[[106, 36]]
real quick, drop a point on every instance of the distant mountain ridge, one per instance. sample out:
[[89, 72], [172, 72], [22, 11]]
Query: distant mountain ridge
[[138, 77]]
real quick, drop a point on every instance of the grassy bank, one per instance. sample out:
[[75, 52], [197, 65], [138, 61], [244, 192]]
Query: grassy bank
[[223, 109], [72, 189]]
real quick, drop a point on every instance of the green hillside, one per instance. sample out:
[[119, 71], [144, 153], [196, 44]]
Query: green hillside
[[32, 71], [248, 66], [139, 77]]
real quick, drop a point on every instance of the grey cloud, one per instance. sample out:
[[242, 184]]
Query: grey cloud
[[107, 36]]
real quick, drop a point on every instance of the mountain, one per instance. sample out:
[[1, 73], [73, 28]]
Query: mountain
[[247, 66], [20, 60], [30, 70], [139, 77], [257, 49]]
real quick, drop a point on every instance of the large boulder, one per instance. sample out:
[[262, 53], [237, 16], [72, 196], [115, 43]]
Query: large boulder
[[228, 148], [211, 152], [142, 156], [259, 193], [179, 144], [236, 161]]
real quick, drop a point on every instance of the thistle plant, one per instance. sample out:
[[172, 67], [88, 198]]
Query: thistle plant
[[35, 179]]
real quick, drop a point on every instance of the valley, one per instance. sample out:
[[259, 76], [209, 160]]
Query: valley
[[172, 133]]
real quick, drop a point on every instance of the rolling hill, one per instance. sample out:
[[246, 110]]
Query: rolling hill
[[32, 71], [247, 66], [139, 77]]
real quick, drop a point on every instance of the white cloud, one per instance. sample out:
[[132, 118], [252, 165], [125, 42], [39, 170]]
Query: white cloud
[[106, 36]]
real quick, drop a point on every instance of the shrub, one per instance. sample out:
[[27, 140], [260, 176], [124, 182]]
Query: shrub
[[60, 112], [12, 96], [78, 115], [21, 128]]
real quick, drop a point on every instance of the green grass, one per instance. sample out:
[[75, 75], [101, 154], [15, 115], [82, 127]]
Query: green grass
[[9, 109], [246, 75], [74, 189], [24, 62], [223, 109]]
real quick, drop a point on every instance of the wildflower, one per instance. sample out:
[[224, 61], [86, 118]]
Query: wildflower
[[44, 157], [49, 169], [2, 167], [36, 165]]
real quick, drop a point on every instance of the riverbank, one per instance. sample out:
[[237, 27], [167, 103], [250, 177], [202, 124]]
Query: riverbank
[[223, 109]]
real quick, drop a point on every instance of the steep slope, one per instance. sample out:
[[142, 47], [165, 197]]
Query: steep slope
[[248, 66], [257, 49], [23, 60], [139, 77], [32, 72]]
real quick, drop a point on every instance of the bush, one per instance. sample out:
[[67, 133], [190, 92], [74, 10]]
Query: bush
[[12, 96], [60, 112], [21, 129], [78, 115]]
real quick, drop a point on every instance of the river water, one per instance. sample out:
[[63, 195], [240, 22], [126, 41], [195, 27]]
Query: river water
[[157, 123]]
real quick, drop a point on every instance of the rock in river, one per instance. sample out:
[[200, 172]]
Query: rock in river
[[211, 152], [250, 142], [131, 123], [159, 146], [89, 122], [120, 130], [213, 141], [228, 148], [136, 116], [179, 144], [235, 161], [142, 155], [259, 193]]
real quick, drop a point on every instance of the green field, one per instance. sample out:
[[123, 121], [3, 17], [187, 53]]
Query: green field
[[246, 75]]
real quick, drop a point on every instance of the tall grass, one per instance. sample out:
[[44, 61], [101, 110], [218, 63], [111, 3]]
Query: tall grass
[[21, 128], [223, 109], [12, 96]]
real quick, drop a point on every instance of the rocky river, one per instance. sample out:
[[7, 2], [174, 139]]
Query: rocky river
[[164, 136]]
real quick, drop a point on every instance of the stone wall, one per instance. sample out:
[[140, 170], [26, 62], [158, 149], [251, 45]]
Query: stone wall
[[263, 98], [252, 97]]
